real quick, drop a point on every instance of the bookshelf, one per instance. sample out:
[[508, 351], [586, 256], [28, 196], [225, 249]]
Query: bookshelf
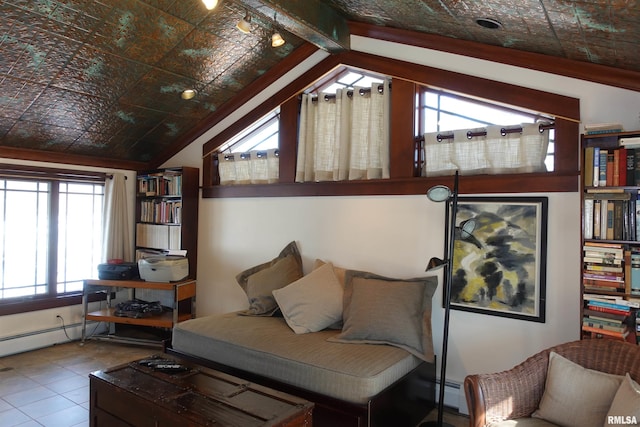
[[167, 213], [611, 235]]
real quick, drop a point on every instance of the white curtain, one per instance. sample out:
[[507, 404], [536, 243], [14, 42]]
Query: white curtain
[[116, 238], [494, 153], [344, 138], [254, 167]]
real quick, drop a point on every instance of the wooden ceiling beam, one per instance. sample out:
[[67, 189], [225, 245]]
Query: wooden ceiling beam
[[311, 20]]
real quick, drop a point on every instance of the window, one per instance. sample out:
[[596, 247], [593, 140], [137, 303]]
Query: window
[[409, 79], [50, 237], [439, 111]]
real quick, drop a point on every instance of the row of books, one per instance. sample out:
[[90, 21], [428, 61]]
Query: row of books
[[609, 317], [611, 268], [613, 166], [611, 214], [161, 211], [163, 184], [158, 236]]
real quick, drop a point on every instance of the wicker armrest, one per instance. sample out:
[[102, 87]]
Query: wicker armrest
[[514, 393]]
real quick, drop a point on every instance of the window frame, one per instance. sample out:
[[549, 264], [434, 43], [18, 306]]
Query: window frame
[[404, 180], [52, 299]]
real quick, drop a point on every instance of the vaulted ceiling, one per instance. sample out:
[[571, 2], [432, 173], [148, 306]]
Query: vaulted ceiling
[[100, 81]]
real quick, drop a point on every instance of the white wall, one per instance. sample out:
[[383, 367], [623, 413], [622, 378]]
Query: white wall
[[396, 235]]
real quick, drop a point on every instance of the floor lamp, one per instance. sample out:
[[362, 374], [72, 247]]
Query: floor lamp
[[441, 193]]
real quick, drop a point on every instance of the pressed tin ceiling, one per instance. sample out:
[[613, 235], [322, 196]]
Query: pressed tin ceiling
[[103, 78]]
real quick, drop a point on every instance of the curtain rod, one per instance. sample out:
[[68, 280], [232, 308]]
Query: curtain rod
[[503, 131], [362, 91], [111, 177], [245, 156]]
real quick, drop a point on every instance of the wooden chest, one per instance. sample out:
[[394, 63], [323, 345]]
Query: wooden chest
[[147, 393]]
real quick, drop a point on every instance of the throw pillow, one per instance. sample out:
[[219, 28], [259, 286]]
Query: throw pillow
[[576, 396], [260, 281], [625, 408], [312, 303], [382, 310]]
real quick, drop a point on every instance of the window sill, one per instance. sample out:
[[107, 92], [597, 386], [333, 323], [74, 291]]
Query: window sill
[[477, 184], [36, 304]]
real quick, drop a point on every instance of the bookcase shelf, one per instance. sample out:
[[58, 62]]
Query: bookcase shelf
[[610, 274], [167, 213]]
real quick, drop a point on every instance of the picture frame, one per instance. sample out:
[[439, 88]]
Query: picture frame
[[500, 268]]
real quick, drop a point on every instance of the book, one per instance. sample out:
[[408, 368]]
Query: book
[[588, 218], [609, 317], [594, 323], [611, 305], [629, 141], [588, 166], [596, 166], [620, 335], [602, 128], [602, 172], [607, 268], [630, 162]]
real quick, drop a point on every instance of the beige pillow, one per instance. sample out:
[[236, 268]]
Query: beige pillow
[[381, 310], [312, 303], [260, 281], [625, 408], [576, 396]]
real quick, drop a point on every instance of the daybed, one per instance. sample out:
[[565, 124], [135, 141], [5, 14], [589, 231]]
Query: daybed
[[515, 397], [356, 344]]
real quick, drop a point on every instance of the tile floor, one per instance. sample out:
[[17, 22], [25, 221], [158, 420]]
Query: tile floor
[[50, 387]]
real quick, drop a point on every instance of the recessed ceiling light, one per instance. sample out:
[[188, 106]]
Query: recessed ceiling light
[[489, 23], [188, 94]]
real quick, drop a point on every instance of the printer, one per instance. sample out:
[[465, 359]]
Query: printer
[[167, 268]]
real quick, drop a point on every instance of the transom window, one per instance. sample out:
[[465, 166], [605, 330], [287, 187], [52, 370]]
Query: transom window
[[439, 111]]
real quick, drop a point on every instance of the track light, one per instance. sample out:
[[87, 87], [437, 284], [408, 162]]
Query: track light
[[210, 4], [277, 40], [244, 24]]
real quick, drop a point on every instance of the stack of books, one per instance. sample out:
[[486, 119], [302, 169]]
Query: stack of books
[[608, 317], [603, 267]]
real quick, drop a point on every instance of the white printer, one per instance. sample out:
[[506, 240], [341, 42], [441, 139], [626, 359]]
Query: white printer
[[163, 268]]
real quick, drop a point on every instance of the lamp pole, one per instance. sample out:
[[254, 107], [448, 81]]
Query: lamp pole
[[450, 228]]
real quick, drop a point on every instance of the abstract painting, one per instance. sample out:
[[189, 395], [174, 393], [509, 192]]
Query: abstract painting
[[500, 269]]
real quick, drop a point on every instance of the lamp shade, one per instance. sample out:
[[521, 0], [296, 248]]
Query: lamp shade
[[277, 40], [244, 24]]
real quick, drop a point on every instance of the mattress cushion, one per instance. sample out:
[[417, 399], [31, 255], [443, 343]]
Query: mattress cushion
[[268, 347]]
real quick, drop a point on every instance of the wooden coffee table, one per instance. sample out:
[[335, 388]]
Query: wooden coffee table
[[162, 391]]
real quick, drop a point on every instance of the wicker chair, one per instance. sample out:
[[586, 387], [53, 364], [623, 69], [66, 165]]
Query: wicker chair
[[516, 393]]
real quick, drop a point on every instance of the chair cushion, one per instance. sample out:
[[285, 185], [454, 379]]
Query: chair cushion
[[626, 404], [522, 422], [576, 396]]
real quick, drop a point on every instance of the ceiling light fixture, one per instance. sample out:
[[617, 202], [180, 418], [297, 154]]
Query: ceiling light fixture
[[244, 24], [489, 23], [277, 40], [188, 94], [210, 4]]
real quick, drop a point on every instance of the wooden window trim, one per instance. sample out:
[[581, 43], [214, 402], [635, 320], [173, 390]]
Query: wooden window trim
[[403, 180]]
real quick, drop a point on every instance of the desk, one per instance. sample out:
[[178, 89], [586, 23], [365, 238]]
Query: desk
[[183, 296]]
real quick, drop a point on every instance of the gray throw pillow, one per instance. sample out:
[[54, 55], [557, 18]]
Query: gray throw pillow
[[260, 281], [382, 310]]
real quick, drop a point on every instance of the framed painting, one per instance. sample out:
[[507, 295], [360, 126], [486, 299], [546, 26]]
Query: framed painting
[[500, 267]]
